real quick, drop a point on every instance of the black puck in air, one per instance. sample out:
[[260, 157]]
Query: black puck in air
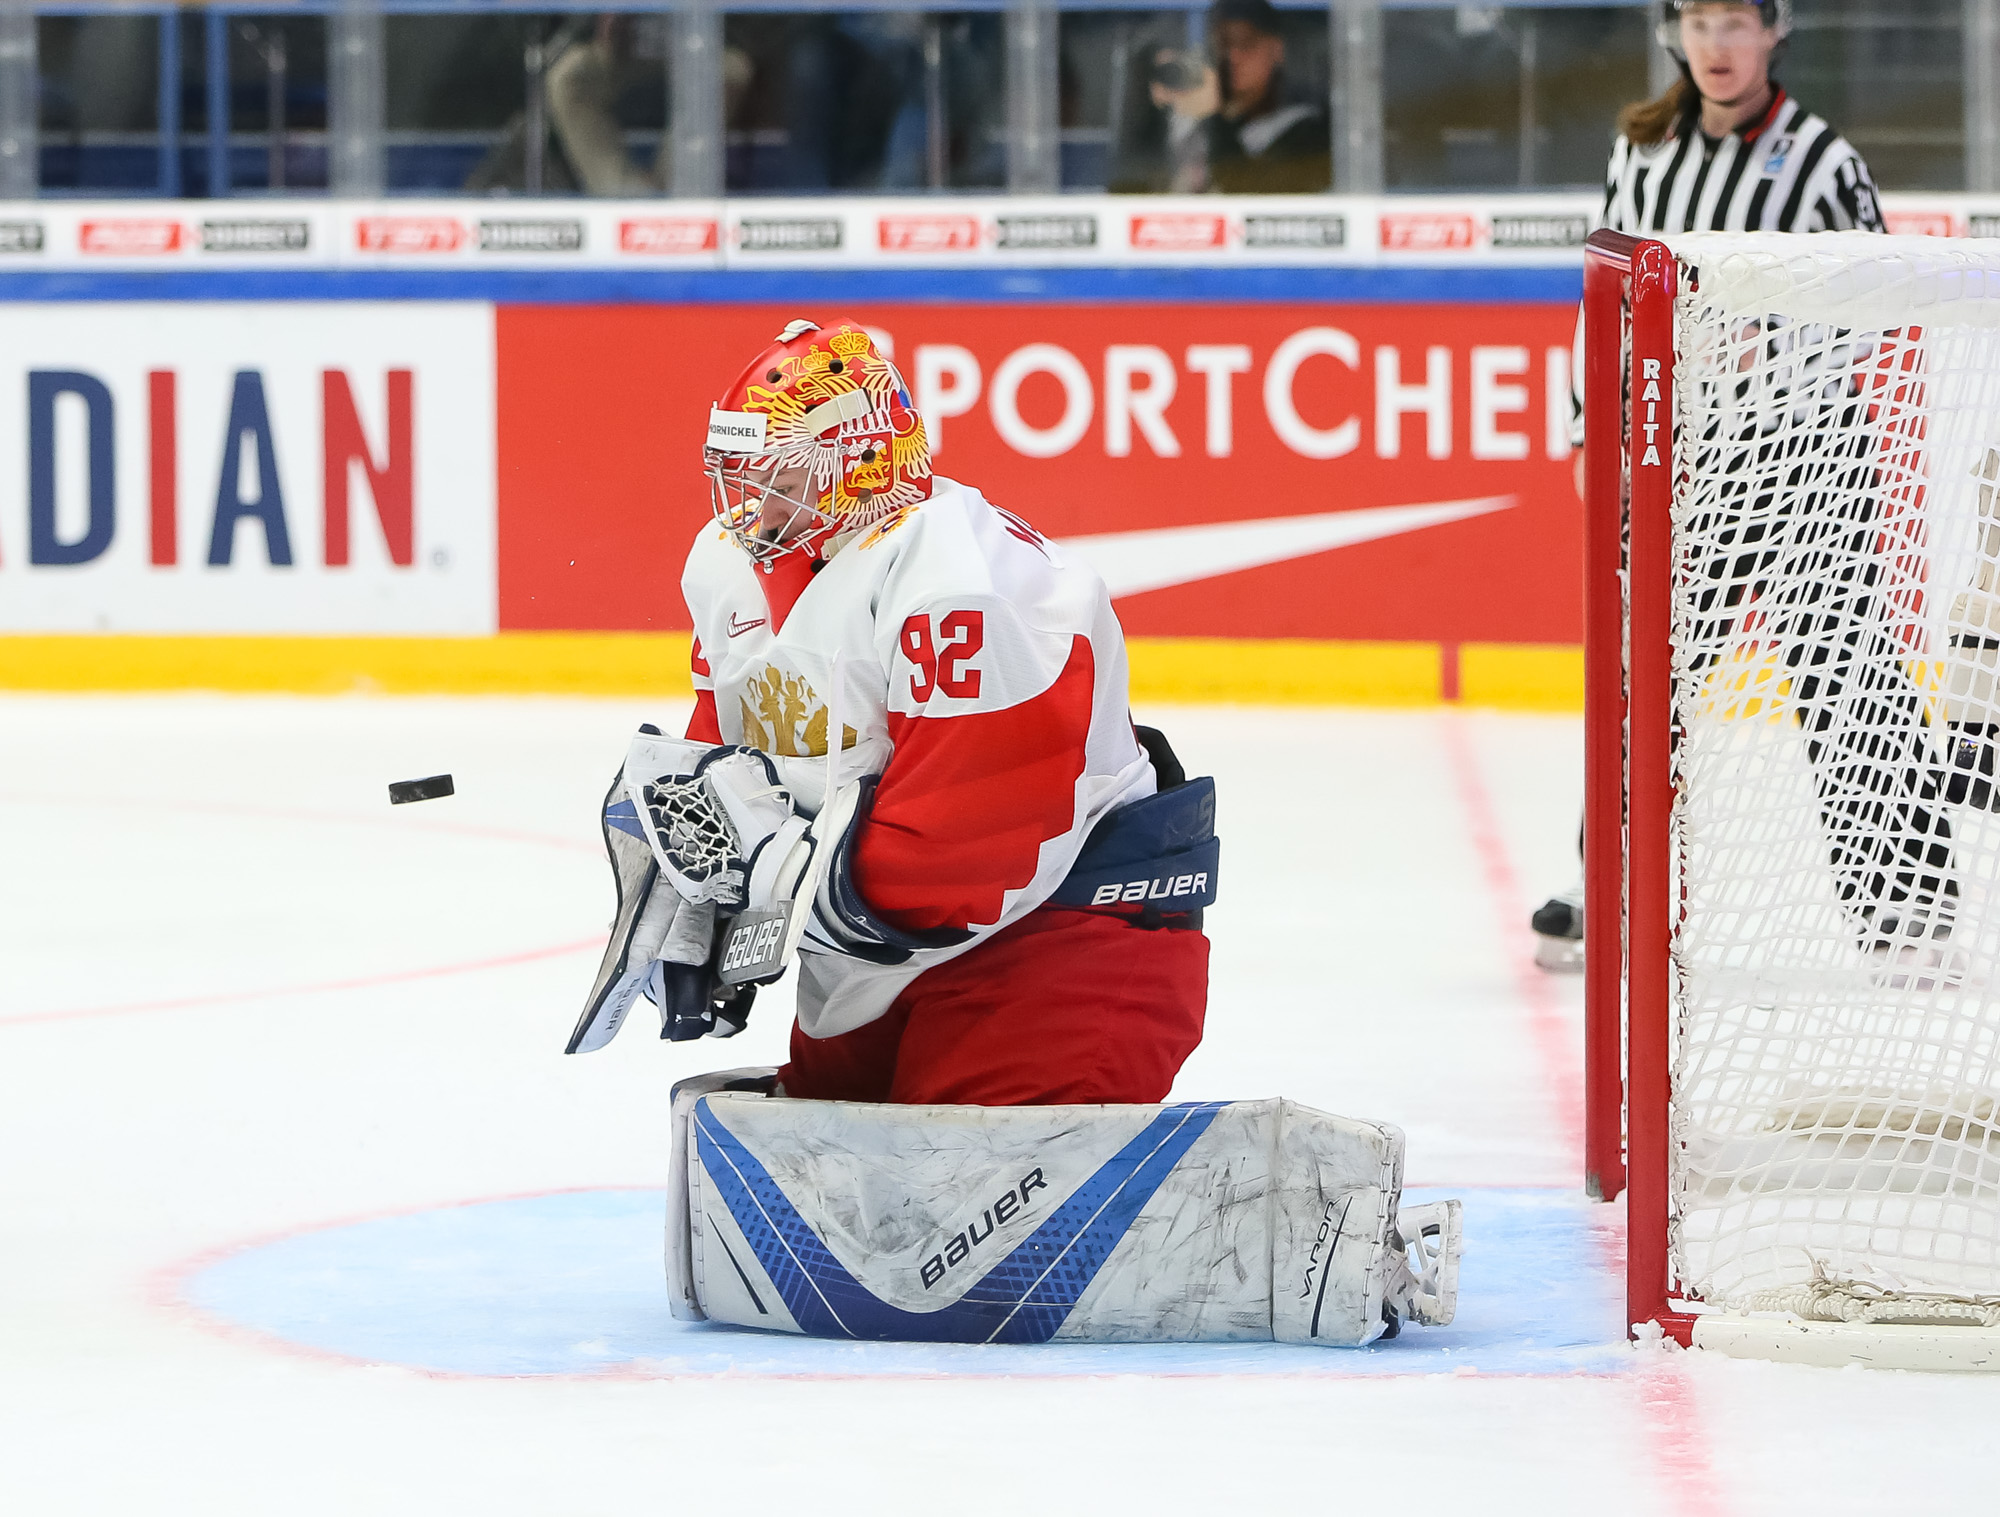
[[402, 792]]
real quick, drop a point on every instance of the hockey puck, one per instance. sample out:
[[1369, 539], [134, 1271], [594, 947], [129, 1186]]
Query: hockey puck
[[402, 792]]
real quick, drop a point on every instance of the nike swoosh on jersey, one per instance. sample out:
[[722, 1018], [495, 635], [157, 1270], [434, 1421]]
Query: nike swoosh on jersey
[[1155, 558], [738, 631]]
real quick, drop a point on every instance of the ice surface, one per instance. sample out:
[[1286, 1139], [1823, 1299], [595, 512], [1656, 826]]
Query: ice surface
[[302, 1210], [570, 1284]]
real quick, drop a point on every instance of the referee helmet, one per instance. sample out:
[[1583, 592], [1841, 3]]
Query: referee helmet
[[1775, 14]]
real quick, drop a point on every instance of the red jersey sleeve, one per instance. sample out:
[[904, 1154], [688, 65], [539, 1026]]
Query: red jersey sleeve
[[968, 800], [703, 724]]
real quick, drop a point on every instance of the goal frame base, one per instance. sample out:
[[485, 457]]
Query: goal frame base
[[1836, 1345]]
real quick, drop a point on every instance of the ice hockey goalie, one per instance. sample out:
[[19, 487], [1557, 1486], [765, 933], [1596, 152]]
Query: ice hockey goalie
[[912, 770]]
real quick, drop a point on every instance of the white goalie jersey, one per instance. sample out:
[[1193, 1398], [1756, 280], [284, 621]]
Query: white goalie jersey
[[974, 671]]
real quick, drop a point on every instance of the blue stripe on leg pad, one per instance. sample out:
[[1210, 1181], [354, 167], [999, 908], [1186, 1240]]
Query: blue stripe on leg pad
[[1024, 1298]]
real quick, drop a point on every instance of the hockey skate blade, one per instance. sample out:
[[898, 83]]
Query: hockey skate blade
[[1433, 1238], [1559, 955]]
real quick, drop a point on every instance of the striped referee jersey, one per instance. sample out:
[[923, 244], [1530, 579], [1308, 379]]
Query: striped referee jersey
[[1787, 172]]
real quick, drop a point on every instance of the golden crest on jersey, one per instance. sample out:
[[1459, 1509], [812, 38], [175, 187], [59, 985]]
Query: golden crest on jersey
[[783, 715], [885, 526]]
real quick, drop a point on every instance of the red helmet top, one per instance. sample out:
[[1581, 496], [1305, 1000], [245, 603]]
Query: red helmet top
[[817, 436]]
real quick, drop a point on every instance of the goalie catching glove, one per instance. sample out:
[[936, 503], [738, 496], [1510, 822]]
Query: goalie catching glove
[[722, 828], [709, 856]]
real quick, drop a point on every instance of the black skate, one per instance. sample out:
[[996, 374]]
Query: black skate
[[1558, 924]]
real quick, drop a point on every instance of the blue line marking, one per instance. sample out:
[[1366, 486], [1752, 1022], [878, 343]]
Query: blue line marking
[[573, 1284]]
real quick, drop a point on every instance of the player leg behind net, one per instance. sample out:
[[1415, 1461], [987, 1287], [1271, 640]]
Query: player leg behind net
[[1784, 536]]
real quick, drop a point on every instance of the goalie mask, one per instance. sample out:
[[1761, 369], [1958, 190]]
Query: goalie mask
[[1775, 14], [817, 437]]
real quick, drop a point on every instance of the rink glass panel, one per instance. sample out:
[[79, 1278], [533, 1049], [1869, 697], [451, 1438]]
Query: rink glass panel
[[823, 97], [1892, 78], [1519, 97]]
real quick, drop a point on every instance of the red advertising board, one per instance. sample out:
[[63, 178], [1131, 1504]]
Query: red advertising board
[[1249, 470]]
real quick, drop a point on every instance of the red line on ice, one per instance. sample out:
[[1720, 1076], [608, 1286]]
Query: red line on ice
[[336, 818], [166, 1289], [1675, 1438], [1556, 1046], [321, 987], [587, 844]]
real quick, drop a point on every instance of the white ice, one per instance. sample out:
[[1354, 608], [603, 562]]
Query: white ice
[[246, 1007]]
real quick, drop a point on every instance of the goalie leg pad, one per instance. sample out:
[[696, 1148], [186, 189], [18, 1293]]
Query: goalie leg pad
[[1213, 1221]]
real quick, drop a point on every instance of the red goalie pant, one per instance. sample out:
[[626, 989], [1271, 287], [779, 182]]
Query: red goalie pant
[[1063, 1008]]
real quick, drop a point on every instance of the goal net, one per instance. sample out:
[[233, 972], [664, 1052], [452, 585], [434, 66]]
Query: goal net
[[1795, 886]]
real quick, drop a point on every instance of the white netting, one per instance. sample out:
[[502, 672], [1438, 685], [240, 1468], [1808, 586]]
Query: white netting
[[691, 824], [1836, 1108]]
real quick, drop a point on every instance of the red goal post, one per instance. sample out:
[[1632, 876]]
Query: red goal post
[[1629, 286]]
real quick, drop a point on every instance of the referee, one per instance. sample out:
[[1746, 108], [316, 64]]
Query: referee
[[1726, 149]]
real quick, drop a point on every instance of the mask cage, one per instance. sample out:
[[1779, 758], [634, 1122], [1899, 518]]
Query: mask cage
[[739, 490]]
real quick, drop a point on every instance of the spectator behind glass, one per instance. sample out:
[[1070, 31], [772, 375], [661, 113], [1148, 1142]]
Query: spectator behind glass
[[1234, 129], [854, 103], [599, 69]]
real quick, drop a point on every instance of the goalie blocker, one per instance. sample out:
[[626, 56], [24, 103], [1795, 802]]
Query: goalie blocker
[[1227, 1221]]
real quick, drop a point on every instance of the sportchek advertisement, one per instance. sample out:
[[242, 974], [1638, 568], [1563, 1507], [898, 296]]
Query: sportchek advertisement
[[1346, 471]]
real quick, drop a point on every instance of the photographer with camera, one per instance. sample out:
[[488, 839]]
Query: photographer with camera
[[1227, 122]]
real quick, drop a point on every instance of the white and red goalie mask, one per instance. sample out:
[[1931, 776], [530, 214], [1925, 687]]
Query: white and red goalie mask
[[817, 437]]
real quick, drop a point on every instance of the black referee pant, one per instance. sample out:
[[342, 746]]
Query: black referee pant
[[1794, 540]]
